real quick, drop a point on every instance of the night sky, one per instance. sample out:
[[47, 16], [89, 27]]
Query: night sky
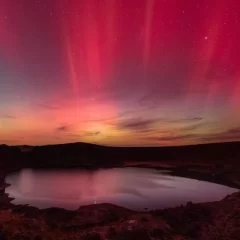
[[119, 72]]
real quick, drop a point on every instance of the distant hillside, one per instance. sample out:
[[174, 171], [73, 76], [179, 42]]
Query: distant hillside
[[25, 148], [84, 154], [73, 154]]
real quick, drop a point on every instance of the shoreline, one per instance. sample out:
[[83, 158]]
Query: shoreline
[[173, 171], [211, 172], [203, 221]]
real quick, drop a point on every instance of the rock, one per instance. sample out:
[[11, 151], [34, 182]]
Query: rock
[[131, 235], [51, 223], [21, 236], [157, 233], [92, 236], [29, 212], [19, 209], [111, 233], [144, 219], [178, 237], [132, 222], [37, 237], [56, 217], [2, 236], [59, 214], [107, 216]]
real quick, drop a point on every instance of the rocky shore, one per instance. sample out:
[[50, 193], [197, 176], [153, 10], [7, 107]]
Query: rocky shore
[[206, 221]]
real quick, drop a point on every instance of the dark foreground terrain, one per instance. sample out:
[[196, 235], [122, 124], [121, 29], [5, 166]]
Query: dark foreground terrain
[[205, 221]]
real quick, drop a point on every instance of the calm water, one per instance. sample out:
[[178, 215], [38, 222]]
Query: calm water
[[133, 188]]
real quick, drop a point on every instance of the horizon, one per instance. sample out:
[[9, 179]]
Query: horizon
[[72, 72], [122, 146]]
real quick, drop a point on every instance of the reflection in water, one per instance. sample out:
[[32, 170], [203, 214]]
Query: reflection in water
[[128, 187]]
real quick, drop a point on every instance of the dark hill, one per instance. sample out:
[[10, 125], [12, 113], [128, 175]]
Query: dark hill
[[10, 157], [84, 154]]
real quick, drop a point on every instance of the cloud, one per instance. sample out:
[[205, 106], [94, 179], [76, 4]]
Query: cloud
[[131, 191], [9, 117], [63, 128], [234, 131], [193, 127], [47, 106], [146, 125], [136, 124], [88, 134], [229, 135], [232, 134], [185, 120], [176, 137]]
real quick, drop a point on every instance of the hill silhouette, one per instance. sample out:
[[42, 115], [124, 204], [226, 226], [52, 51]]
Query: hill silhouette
[[90, 155]]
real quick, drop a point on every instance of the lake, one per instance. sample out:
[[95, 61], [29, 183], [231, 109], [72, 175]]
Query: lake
[[133, 188]]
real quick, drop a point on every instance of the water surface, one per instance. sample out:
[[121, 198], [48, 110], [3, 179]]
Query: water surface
[[134, 188]]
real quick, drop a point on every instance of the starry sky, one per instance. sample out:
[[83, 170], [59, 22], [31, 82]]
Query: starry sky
[[119, 72]]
